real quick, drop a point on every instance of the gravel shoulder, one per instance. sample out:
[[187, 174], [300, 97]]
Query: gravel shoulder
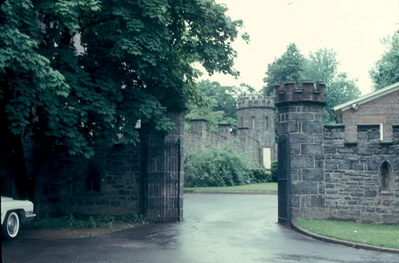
[[71, 233]]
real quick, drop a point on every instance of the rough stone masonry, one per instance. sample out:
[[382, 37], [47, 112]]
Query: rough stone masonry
[[330, 177]]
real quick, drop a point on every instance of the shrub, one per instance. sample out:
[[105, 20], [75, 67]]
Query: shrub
[[259, 175], [85, 221], [219, 167], [274, 172]]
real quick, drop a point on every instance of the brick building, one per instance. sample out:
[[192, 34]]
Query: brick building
[[378, 108]]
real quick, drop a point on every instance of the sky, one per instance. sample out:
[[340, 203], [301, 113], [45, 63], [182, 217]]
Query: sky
[[354, 29]]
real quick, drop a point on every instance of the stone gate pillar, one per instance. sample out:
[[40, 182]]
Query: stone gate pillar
[[163, 172], [299, 133]]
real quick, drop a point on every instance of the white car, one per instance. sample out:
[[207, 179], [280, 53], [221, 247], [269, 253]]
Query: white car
[[13, 214]]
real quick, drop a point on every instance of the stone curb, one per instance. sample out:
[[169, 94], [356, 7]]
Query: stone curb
[[230, 192], [298, 229]]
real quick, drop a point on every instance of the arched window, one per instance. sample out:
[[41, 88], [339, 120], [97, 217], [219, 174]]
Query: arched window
[[385, 175], [266, 122], [242, 122], [253, 123]]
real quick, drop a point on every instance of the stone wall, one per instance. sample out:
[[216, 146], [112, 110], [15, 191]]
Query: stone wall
[[353, 175], [146, 178], [331, 177], [255, 133], [256, 113], [108, 184], [199, 138]]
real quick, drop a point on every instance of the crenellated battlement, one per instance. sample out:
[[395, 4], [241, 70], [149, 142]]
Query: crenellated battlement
[[309, 91], [255, 101], [364, 133], [328, 173]]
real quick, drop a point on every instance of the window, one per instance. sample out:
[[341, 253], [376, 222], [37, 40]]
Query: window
[[283, 117], [242, 122], [385, 175], [266, 122], [253, 123]]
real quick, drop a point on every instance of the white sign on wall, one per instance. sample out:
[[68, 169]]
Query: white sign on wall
[[267, 158]]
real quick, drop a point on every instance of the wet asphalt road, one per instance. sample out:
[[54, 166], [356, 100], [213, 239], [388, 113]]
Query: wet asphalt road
[[216, 228]]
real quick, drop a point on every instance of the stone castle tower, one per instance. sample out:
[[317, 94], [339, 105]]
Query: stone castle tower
[[256, 118], [300, 150]]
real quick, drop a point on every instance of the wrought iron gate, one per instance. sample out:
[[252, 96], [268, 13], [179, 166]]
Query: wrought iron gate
[[162, 180], [284, 182]]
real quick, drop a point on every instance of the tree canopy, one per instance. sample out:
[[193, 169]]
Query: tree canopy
[[321, 65], [287, 67], [218, 104], [386, 70], [76, 73]]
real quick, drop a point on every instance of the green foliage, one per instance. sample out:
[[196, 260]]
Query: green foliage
[[341, 90], [285, 68], [372, 234], [323, 66], [259, 175], [84, 221], [218, 167], [79, 73], [246, 89], [274, 172], [213, 118], [218, 104], [319, 66], [223, 98], [386, 70]]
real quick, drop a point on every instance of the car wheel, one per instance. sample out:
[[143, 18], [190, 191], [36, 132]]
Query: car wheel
[[11, 225]]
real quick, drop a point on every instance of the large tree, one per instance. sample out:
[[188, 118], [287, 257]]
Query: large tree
[[287, 67], [386, 70], [74, 73], [321, 65], [218, 103]]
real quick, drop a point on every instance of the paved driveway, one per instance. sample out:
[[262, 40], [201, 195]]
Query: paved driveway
[[217, 228]]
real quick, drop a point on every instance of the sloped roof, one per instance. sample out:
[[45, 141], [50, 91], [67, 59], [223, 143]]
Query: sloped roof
[[366, 98]]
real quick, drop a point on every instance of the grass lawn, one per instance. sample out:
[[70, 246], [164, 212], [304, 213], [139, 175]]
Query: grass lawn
[[259, 187], [371, 234]]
